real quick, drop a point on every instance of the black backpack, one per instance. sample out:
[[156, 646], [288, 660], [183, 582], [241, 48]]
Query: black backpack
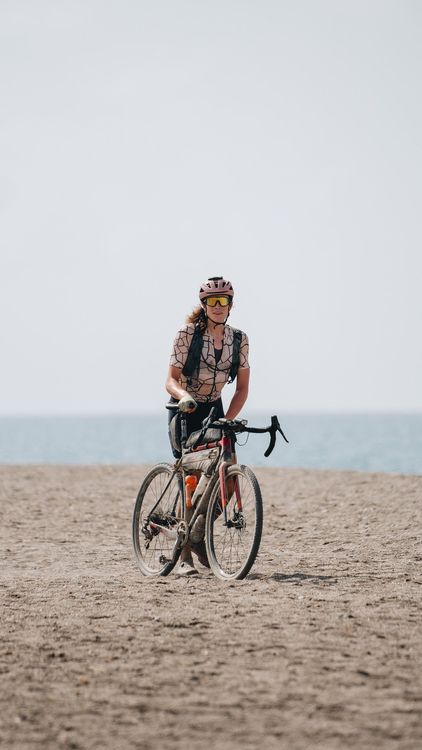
[[194, 354]]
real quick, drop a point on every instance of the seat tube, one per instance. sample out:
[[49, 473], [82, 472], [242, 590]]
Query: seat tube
[[183, 429], [182, 495]]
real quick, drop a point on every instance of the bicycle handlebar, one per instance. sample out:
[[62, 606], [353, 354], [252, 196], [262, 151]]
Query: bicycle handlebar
[[240, 426], [236, 425], [273, 428]]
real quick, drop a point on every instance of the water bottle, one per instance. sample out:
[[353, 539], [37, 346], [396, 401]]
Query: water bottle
[[200, 488]]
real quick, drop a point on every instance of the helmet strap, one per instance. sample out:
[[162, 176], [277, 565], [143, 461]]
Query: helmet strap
[[204, 310], [219, 324]]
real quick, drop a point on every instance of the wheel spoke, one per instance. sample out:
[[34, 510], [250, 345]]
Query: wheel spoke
[[155, 514], [233, 545]]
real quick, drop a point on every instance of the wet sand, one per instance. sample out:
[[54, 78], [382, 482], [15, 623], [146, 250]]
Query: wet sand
[[320, 647]]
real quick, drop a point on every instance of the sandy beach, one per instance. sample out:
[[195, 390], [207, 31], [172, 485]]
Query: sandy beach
[[320, 647]]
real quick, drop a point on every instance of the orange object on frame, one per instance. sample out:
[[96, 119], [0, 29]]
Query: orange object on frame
[[190, 481]]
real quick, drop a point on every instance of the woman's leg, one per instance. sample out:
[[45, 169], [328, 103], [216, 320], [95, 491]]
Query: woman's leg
[[194, 423]]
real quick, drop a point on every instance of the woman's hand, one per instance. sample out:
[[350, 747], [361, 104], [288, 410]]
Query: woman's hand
[[187, 404]]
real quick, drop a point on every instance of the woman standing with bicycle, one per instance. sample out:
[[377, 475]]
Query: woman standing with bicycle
[[207, 353]]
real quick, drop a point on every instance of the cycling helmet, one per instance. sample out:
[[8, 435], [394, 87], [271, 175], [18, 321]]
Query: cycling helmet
[[215, 285]]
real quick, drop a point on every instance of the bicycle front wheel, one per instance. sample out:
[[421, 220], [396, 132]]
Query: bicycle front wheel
[[158, 510], [233, 534]]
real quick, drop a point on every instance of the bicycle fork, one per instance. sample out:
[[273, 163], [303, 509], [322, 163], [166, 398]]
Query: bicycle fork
[[229, 458]]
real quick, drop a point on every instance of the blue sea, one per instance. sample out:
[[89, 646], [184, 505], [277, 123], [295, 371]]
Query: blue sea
[[364, 442]]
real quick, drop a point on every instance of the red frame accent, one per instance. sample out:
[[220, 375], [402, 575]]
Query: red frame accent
[[204, 446], [230, 457], [237, 492]]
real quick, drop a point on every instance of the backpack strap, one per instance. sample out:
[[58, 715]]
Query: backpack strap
[[237, 340], [195, 350], [194, 354]]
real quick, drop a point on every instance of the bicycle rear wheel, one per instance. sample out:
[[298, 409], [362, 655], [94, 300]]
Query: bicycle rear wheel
[[158, 510], [233, 536]]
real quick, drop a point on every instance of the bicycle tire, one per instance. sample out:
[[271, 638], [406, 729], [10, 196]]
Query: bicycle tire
[[232, 550], [156, 552]]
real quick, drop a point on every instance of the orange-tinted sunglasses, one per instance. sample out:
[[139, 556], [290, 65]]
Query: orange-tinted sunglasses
[[223, 300]]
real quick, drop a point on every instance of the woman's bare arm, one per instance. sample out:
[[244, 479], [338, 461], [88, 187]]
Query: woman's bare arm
[[240, 394], [173, 386]]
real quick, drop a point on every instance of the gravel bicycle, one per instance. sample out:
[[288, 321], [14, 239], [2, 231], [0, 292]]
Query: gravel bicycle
[[204, 493]]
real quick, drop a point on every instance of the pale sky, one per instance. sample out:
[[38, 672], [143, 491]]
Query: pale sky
[[145, 146]]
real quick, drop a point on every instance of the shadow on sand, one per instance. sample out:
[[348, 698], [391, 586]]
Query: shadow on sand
[[292, 577]]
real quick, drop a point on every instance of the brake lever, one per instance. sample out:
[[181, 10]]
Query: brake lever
[[276, 424], [205, 424], [207, 421], [275, 427]]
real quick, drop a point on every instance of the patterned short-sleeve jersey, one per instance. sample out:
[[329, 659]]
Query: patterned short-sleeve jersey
[[207, 384]]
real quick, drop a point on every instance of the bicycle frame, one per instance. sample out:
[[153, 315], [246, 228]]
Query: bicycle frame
[[226, 458]]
